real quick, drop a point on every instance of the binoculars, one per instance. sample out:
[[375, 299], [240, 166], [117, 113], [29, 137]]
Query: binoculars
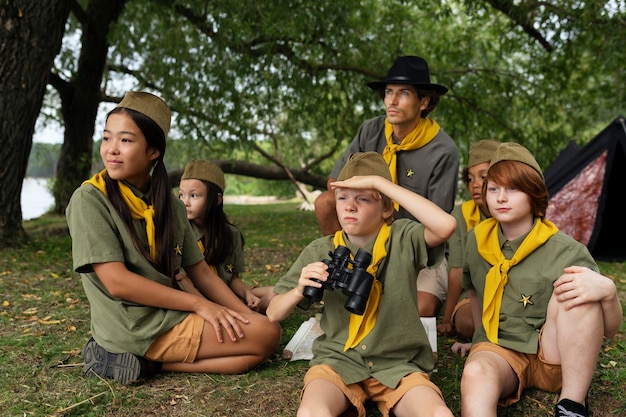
[[349, 275]]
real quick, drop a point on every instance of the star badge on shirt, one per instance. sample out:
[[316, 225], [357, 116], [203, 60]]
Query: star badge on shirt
[[410, 173], [178, 249], [229, 268], [525, 300]]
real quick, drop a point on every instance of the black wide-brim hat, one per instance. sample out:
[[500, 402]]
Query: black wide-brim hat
[[412, 70]]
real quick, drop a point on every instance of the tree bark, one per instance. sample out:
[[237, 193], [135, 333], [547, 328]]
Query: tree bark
[[30, 37], [80, 98]]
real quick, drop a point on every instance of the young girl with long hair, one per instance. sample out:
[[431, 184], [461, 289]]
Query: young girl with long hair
[[201, 189], [129, 238]]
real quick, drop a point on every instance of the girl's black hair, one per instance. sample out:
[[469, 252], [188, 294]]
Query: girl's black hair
[[219, 242], [161, 197]]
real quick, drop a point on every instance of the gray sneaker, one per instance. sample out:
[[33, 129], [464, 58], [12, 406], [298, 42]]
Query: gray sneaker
[[123, 367]]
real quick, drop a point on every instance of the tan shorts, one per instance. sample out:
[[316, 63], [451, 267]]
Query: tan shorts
[[532, 370], [434, 281], [461, 303], [180, 344], [370, 389]]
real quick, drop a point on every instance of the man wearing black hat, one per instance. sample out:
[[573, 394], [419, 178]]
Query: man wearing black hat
[[420, 155]]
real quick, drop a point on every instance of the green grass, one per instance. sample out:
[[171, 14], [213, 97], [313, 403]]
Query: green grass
[[44, 322]]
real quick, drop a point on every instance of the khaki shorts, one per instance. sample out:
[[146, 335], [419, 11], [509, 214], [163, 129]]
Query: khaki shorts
[[180, 344], [434, 281], [370, 389], [532, 370], [461, 303]]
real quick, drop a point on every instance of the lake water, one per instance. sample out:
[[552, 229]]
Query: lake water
[[36, 198]]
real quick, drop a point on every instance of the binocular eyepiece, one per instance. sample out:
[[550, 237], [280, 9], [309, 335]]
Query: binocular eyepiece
[[349, 275]]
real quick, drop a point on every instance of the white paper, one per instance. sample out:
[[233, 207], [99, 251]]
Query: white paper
[[301, 344]]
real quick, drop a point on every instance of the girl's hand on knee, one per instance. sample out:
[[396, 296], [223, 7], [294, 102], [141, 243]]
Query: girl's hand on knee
[[223, 319]]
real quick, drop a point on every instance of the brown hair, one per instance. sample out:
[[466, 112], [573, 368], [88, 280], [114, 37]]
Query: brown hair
[[434, 100], [524, 178]]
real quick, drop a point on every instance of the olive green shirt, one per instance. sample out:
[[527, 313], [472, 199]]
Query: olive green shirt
[[456, 243], [99, 235], [233, 264], [398, 344], [529, 287]]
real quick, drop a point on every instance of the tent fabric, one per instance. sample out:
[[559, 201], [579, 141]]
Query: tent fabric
[[585, 185]]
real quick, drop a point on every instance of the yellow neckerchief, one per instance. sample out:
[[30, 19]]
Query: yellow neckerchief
[[497, 277], [471, 213], [360, 326], [201, 246], [423, 133], [138, 208]]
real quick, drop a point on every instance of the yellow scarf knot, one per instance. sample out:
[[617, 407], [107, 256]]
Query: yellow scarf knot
[[360, 326], [489, 248], [138, 208]]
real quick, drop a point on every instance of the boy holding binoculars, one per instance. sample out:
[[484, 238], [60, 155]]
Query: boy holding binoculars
[[382, 355]]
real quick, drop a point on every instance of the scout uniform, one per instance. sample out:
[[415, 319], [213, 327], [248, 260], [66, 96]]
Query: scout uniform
[[118, 325], [529, 287], [233, 264], [398, 344], [439, 156]]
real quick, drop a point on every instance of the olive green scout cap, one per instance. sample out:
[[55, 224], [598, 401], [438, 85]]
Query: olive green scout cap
[[511, 151], [482, 151], [150, 106], [204, 170], [365, 163]]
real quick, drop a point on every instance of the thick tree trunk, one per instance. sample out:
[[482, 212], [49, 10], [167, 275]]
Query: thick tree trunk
[[80, 99], [30, 38]]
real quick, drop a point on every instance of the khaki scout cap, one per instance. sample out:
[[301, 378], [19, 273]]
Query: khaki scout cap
[[365, 163], [150, 106], [511, 151], [482, 151], [204, 170]]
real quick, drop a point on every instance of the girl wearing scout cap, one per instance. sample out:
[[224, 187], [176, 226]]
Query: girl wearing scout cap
[[129, 238], [540, 308], [457, 317], [201, 189], [383, 355]]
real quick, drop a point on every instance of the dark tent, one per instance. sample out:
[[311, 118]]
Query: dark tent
[[586, 185]]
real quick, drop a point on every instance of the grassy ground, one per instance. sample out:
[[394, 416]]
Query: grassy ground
[[44, 322]]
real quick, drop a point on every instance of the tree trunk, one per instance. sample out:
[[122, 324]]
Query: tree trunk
[[80, 99], [30, 38]]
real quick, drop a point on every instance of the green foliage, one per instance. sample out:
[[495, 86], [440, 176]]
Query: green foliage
[[284, 83]]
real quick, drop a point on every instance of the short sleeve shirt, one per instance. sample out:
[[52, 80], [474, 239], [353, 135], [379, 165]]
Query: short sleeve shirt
[[398, 344], [234, 263], [430, 171], [99, 235], [529, 287]]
